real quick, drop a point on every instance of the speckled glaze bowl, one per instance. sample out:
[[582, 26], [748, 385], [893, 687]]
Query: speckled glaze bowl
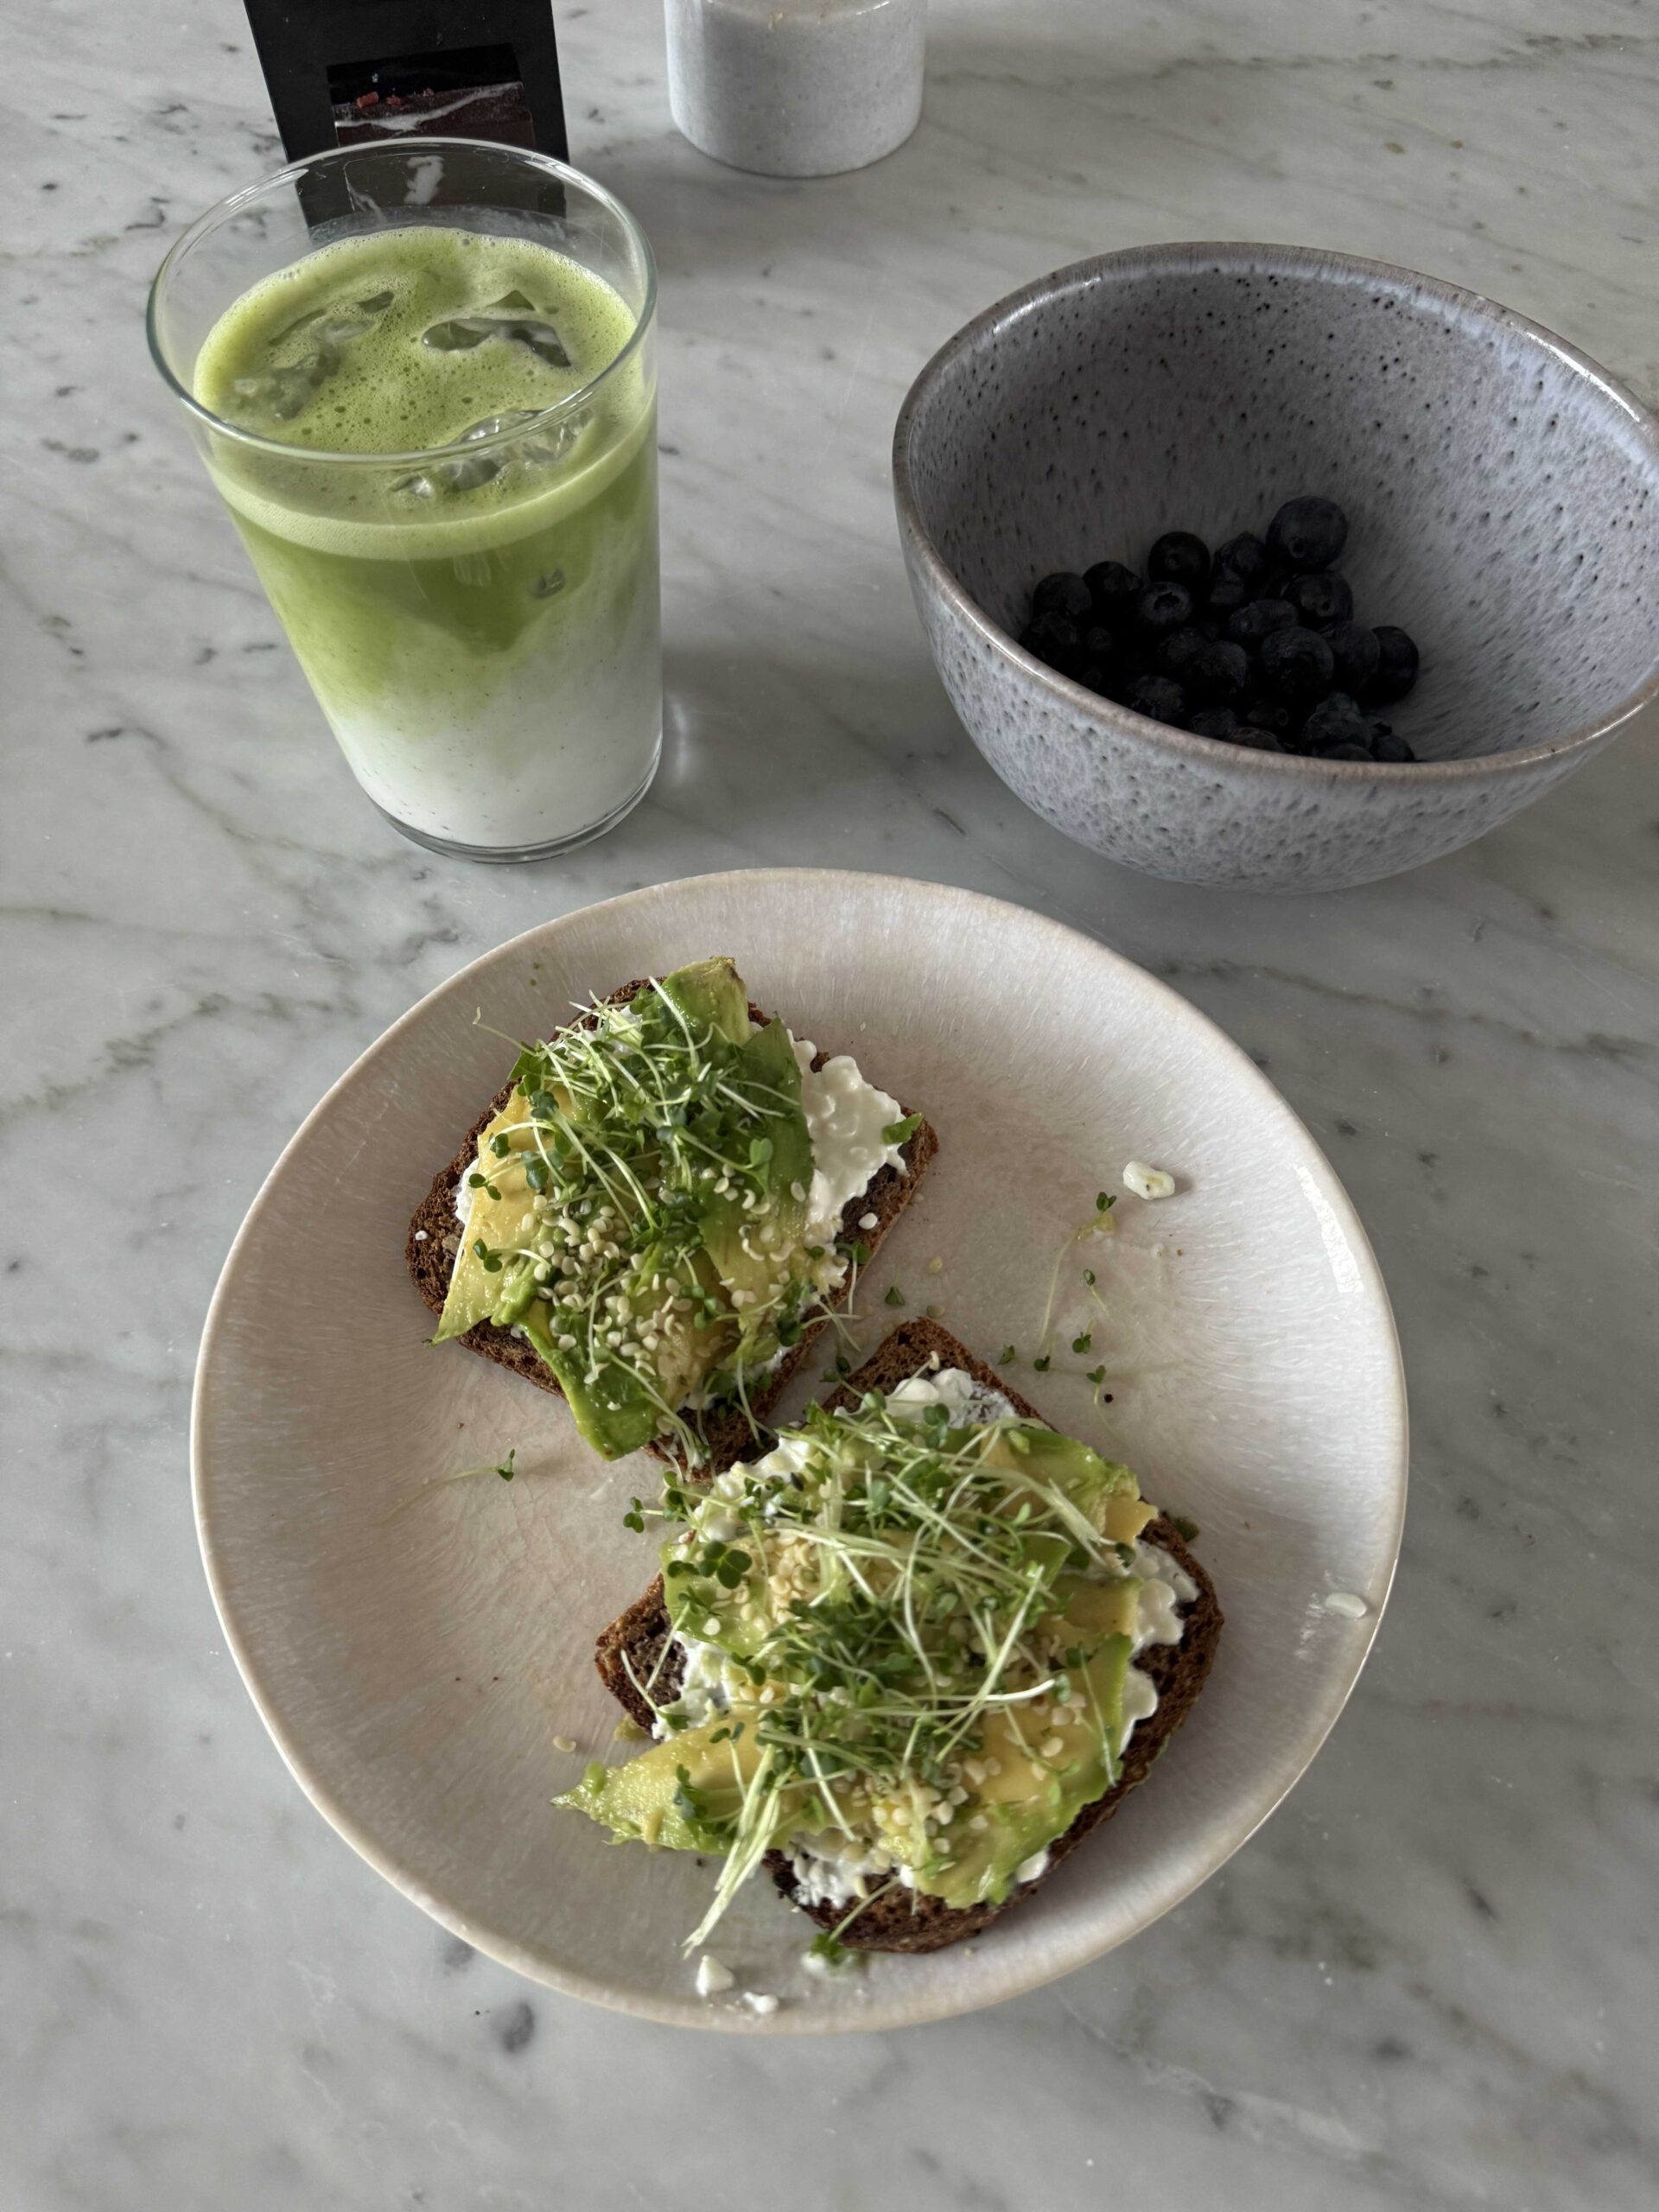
[[1503, 497]]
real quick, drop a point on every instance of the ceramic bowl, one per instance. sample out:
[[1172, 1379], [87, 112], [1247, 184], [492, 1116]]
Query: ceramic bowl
[[1503, 499]]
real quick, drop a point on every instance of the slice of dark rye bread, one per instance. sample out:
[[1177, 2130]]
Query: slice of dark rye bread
[[632, 1647], [433, 1238]]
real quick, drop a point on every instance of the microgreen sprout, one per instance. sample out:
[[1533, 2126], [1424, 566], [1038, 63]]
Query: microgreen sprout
[[657, 1260], [503, 1467], [1098, 1223], [896, 1591]]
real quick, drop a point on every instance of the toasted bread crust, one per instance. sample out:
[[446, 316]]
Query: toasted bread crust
[[630, 1657], [434, 1237]]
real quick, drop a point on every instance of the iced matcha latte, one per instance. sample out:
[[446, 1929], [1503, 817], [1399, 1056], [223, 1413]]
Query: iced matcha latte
[[438, 444]]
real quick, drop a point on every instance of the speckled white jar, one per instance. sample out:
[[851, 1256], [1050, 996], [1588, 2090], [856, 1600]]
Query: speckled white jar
[[796, 88]]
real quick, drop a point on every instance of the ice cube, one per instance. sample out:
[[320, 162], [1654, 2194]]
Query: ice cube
[[281, 393], [551, 445], [466, 472], [286, 391], [470, 470], [459, 333]]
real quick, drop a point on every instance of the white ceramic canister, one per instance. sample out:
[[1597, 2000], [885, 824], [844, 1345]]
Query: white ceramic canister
[[796, 88]]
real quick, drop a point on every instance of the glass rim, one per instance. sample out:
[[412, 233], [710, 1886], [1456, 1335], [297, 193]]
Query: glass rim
[[222, 210]]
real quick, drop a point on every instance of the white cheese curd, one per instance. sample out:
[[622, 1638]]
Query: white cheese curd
[[1149, 1182], [845, 1117], [786, 1458], [706, 1686], [1164, 1587], [964, 1400], [761, 2001], [830, 1868], [1032, 1869], [1140, 1703], [714, 1977], [1347, 1605]]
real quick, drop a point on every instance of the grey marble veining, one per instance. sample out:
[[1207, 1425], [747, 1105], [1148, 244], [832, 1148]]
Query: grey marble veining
[[1431, 1980]]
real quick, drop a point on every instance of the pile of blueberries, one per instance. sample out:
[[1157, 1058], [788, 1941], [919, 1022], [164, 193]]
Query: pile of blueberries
[[1255, 644]]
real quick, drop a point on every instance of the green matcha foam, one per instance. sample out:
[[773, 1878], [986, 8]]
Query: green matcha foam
[[402, 342], [387, 389]]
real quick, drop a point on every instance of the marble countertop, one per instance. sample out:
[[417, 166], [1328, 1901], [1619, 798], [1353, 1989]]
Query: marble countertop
[[1430, 1979]]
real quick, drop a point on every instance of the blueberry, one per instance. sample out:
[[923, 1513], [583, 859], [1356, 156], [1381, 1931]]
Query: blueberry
[[1163, 608], [1065, 594], [1321, 598], [1136, 658], [1225, 596], [1308, 533], [1100, 644], [1397, 662], [1294, 664], [1355, 652], [1215, 721], [1269, 715], [1115, 588], [1345, 753], [1257, 620], [1258, 740], [1338, 720], [1175, 650], [1218, 674], [1180, 559], [1159, 697], [1385, 745], [1053, 639], [1243, 560], [1274, 577]]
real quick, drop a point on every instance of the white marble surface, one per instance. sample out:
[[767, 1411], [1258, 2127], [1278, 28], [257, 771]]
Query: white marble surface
[[1431, 1980]]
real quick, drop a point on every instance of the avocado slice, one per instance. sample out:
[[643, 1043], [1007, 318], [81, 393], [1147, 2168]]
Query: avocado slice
[[1046, 1455], [711, 994], [1032, 1801], [754, 1253], [683, 1793], [498, 1222], [735, 1262], [613, 1413]]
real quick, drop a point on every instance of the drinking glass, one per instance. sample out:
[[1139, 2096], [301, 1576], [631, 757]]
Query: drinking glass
[[478, 620]]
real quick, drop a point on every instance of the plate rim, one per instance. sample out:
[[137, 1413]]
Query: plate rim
[[688, 2011]]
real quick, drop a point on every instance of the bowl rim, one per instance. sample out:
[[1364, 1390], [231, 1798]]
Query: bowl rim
[[922, 554]]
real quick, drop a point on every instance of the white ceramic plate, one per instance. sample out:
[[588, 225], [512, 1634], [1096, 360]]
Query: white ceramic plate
[[414, 1646]]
